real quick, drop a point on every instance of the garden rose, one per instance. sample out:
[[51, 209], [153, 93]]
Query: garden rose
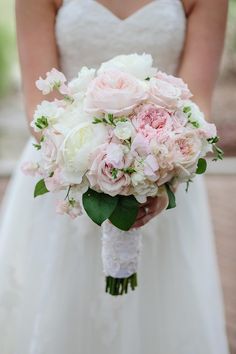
[[176, 82], [164, 94], [114, 92], [103, 174], [152, 121]]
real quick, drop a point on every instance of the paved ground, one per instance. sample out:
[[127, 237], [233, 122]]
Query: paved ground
[[222, 194]]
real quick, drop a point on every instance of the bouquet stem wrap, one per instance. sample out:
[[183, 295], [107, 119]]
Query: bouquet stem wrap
[[120, 256]]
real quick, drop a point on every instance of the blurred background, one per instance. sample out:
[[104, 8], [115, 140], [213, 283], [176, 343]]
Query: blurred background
[[220, 179]]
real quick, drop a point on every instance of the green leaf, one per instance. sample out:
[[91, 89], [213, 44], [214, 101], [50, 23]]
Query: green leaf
[[187, 109], [40, 188], [201, 166], [99, 206], [171, 196], [125, 213]]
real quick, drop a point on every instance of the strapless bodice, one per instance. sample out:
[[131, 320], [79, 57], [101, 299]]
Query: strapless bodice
[[88, 33]]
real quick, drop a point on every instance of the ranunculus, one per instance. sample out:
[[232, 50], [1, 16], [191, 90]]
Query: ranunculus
[[164, 94], [152, 121], [176, 82], [77, 148], [135, 64], [114, 92], [103, 174]]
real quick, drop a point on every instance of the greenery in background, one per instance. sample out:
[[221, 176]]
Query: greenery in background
[[7, 44]]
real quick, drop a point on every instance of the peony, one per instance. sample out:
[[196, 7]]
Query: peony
[[114, 92], [176, 82], [54, 79], [135, 64], [77, 148], [107, 174], [152, 121]]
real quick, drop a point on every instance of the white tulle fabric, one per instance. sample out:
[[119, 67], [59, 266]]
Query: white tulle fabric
[[52, 298]]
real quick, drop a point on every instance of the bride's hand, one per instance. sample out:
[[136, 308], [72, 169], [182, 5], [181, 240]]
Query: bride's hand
[[150, 209]]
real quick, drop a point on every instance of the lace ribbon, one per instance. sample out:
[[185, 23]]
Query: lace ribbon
[[120, 250]]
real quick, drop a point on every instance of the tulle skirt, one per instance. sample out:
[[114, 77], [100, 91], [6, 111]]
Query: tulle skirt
[[52, 288]]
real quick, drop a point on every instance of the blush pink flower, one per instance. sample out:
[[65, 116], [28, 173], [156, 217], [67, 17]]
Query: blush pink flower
[[187, 148], [54, 79], [103, 174], [152, 121], [176, 82], [56, 182], [71, 208], [30, 168], [114, 91]]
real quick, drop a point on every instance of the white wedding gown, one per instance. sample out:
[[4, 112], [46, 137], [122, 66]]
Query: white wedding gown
[[52, 298]]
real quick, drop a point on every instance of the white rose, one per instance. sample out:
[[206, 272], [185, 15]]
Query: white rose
[[139, 65], [77, 148], [124, 130], [78, 86]]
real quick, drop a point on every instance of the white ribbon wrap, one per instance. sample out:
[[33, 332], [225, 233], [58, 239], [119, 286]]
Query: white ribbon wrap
[[120, 250]]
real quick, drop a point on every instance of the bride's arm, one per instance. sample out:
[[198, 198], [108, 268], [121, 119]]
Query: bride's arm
[[35, 21], [206, 22]]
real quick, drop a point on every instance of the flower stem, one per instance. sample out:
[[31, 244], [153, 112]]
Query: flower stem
[[119, 286]]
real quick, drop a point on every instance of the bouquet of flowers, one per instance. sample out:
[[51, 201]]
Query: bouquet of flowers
[[118, 135]]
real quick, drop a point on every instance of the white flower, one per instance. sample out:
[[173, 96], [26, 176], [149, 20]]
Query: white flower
[[77, 148], [124, 130], [78, 86], [54, 79], [139, 65], [73, 115], [49, 111]]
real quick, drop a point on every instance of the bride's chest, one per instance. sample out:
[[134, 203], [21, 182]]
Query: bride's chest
[[89, 31]]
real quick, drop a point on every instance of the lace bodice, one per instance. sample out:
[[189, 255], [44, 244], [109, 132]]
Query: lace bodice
[[88, 33]]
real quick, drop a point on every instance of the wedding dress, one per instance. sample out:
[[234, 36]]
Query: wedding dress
[[52, 298]]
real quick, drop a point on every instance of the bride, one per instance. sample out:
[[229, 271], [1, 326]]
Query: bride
[[52, 298]]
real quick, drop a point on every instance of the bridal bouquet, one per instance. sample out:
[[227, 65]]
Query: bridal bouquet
[[117, 136]]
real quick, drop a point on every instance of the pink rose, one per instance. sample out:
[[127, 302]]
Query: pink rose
[[164, 94], [188, 147], [152, 121], [103, 174], [114, 92], [176, 82]]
